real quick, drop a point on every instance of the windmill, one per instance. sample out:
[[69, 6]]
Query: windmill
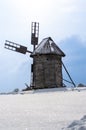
[[46, 69]]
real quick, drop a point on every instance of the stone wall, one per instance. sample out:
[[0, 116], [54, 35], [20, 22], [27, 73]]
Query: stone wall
[[47, 71]]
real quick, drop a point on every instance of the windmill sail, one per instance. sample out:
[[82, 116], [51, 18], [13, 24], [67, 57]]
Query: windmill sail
[[34, 33], [16, 47]]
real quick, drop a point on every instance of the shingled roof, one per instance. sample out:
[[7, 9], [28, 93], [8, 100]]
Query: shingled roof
[[47, 46]]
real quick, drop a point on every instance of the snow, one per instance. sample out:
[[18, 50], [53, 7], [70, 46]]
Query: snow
[[77, 124], [48, 109]]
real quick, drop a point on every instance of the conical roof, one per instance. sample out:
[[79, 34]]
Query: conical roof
[[47, 46]]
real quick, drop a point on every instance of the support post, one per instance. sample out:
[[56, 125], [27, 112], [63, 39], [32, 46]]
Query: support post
[[68, 74]]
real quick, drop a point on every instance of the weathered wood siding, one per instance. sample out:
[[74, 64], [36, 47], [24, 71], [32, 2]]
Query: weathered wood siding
[[47, 71]]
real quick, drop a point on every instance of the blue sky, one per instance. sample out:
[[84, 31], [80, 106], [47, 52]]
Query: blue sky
[[63, 20]]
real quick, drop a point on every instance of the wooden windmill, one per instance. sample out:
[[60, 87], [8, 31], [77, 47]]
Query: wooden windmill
[[46, 70]]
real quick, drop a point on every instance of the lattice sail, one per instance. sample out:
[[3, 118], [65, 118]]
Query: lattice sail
[[34, 33], [16, 47]]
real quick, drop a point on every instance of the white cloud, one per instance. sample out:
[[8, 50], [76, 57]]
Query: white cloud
[[63, 18]]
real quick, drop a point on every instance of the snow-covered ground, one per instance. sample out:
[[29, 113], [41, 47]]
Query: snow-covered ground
[[49, 109]]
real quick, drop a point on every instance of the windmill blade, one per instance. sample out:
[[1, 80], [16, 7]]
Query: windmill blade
[[16, 47], [34, 33]]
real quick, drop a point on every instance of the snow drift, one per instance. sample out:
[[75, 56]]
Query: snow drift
[[49, 109]]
